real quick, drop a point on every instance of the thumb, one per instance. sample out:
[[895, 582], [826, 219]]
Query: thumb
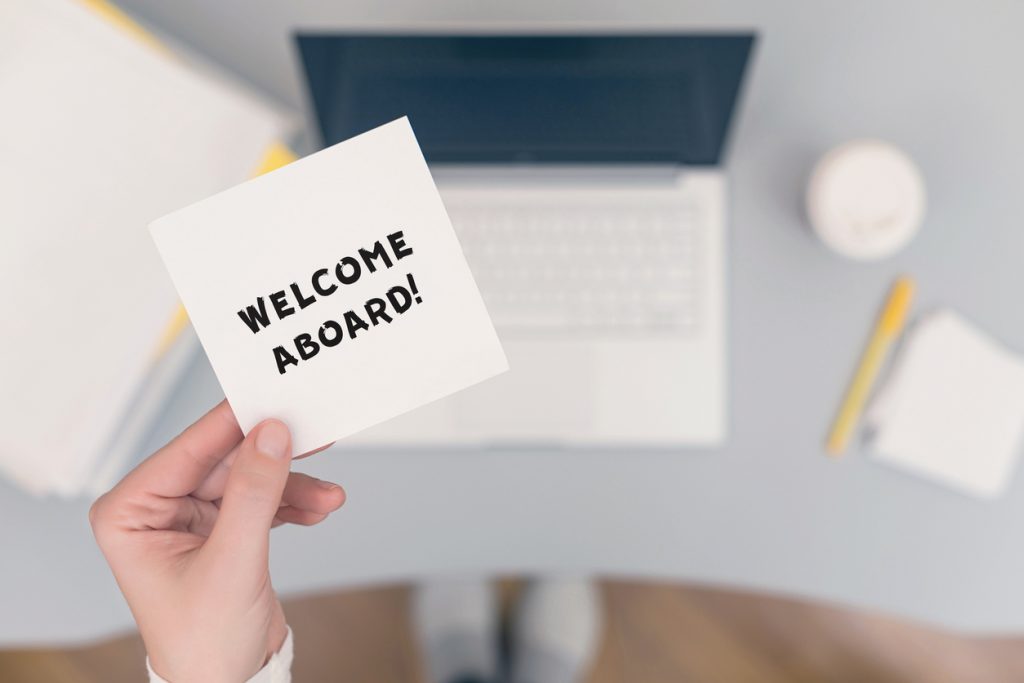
[[252, 494]]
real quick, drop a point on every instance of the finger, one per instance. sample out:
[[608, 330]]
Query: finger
[[290, 515], [180, 466], [301, 491], [252, 496], [212, 487], [186, 514], [199, 516], [193, 516], [309, 493]]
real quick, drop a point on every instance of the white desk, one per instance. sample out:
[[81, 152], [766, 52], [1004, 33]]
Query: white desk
[[767, 512]]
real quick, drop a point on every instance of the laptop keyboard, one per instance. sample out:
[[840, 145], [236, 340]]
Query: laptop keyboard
[[614, 270]]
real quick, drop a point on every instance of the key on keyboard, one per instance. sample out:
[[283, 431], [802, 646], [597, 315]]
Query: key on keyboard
[[596, 270]]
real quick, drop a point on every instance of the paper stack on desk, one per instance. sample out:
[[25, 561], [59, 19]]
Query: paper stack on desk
[[101, 133], [952, 409]]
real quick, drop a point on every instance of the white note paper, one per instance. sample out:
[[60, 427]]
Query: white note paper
[[332, 293], [952, 409]]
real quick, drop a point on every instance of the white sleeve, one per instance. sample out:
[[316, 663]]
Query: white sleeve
[[277, 670]]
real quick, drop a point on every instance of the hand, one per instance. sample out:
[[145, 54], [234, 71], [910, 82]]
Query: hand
[[186, 534]]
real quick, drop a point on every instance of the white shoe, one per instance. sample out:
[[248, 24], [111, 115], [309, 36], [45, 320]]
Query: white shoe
[[557, 631], [456, 623]]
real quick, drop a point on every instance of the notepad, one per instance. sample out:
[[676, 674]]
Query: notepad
[[332, 293], [952, 409]]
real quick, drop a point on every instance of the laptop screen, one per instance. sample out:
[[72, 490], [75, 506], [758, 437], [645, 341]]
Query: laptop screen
[[547, 98]]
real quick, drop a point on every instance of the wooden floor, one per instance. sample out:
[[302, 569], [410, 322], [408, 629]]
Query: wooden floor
[[654, 634]]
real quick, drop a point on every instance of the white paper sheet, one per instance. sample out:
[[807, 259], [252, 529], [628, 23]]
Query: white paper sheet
[[277, 241], [952, 409]]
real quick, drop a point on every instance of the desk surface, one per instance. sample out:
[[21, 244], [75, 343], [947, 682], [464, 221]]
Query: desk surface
[[766, 512]]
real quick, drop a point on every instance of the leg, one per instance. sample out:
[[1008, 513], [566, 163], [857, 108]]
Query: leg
[[556, 632], [456, 623]]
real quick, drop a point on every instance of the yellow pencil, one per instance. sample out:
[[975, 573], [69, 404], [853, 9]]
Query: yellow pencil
[[887, 329]]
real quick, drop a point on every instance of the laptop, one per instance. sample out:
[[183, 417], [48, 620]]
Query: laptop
[[582, 174]]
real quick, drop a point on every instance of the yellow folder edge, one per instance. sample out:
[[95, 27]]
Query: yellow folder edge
[[114, 16], [277, 154]]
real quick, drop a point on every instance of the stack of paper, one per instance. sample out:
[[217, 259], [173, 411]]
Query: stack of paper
[[100, 133]]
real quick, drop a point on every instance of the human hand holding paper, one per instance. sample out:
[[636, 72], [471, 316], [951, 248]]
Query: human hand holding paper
[[187, 537], [331, 294]]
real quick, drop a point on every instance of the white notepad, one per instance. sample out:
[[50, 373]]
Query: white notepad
[[952, 409], [332, 293]]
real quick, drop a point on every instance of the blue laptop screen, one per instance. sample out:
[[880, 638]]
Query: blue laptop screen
[[579, 98]]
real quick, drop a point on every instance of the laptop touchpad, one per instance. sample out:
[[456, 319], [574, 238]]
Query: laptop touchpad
[[547, 392]]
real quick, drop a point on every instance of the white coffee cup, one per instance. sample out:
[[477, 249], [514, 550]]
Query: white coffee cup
[[866, 199]]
